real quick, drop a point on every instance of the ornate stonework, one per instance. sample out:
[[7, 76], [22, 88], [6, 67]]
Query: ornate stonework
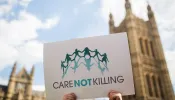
[[151, 76], [20, 87]]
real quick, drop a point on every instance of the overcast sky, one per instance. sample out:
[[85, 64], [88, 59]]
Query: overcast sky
[[26, 24]]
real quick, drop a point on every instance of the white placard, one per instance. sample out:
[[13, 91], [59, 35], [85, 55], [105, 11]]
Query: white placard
[[89, 67]]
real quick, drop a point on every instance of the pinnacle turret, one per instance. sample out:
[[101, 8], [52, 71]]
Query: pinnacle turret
[[14, 69], [149, 7], [150, 12], [127, 4], [128, 8], [111, 20], [110, 15], [32, 71]]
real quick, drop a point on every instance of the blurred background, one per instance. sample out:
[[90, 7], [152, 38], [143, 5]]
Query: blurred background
[[26, 24]]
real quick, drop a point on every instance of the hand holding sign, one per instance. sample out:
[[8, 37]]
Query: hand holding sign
[[113, 95], [70, 96]]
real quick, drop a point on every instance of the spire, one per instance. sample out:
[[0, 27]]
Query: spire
[[127, 5], [149, 7], [128, 8], [11, 84], [14, 69], [111, 20], [150, 12], [110, 15], [32, 71]]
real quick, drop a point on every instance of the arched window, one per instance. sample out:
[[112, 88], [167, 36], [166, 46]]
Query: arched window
[[141, 46], [161, 88], [147, 48], [155, 86], [149, 85], [152, 48]]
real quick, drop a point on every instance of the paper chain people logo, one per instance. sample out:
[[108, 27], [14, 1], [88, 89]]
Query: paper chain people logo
[[87, 56]]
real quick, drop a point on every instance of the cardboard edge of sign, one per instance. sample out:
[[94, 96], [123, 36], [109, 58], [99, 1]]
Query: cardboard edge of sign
[[93, 37], [80, 38]]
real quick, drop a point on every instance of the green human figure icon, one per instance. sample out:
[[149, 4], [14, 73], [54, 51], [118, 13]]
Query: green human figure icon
[[105, 59], [101, 60], [88, 63], [63, 66], [96, 54], [68, 58], [65, 72], [76, 53], [86, 52]]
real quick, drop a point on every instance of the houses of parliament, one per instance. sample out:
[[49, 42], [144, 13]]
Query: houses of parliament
[[150, 72], [20, 87]]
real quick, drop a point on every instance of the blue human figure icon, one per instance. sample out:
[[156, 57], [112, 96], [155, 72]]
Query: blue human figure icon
[[99, 66], [88, 63], [76, 65]]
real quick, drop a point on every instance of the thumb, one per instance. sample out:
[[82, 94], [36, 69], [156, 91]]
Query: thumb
[[116, 96]]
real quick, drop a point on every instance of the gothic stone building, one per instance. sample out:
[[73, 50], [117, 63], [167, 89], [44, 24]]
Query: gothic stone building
[[151, 76], [20, 87]]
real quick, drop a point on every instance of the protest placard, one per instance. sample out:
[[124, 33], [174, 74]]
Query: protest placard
[[89, 67]]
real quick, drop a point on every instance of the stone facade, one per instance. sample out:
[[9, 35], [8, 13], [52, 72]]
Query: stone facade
[[20, 87], [151, 76]]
